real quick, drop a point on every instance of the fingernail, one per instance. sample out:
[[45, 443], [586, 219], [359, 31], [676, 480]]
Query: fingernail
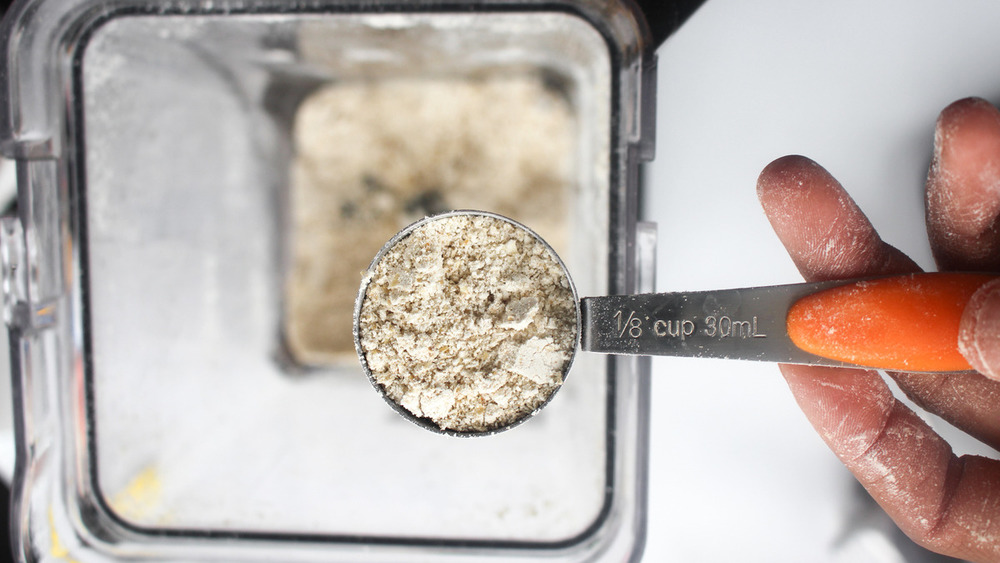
[[979, 331]]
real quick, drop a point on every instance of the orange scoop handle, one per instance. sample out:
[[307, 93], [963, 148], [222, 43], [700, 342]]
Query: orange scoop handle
[[904, 323]]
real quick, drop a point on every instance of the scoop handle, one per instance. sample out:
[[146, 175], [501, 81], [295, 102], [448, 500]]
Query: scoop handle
[[905, 323]]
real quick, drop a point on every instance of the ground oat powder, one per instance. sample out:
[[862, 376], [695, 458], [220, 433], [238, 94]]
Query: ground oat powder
[[374, 156], [469, 321]]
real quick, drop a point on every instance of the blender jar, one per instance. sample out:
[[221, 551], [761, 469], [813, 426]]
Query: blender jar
[[201, 184]]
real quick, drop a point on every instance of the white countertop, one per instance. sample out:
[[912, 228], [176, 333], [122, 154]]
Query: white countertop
[[737, 473]]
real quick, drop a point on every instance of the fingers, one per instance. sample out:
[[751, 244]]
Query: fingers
[[825, 233], [979, 331], [946, 503], [967, 400], [963, 205], [963, 187], [828, 237]]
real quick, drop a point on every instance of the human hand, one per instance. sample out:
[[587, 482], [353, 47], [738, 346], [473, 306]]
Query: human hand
[[946, 503]]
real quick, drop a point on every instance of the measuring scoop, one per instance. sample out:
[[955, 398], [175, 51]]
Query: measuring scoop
[[903, 323], [899, 323]]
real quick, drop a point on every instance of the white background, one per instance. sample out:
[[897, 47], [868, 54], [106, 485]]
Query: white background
[[737, 473]]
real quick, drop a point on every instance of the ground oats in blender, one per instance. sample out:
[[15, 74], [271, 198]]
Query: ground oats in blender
[[372, 156]]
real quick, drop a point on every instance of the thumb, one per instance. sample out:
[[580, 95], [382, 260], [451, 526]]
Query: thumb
[[979, 331]]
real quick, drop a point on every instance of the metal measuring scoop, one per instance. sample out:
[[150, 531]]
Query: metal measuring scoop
[[876, 323], [571, 300]]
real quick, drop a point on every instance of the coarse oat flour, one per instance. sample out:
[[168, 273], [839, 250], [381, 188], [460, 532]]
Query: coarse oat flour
[[373, 156], [469, 321]]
